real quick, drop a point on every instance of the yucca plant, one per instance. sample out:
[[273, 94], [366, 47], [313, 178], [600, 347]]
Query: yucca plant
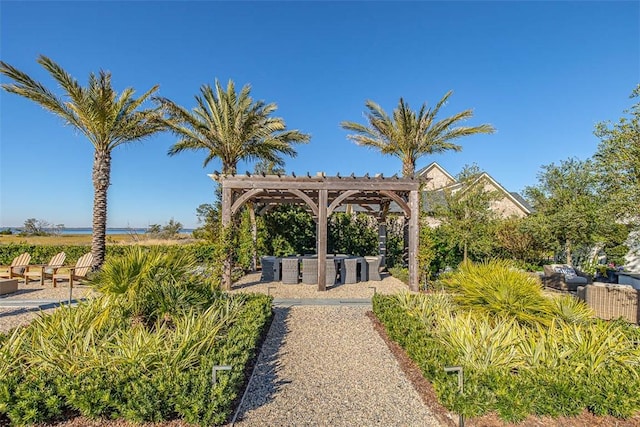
[[481, 343], [498, 289], [570, 309], [427, 307]]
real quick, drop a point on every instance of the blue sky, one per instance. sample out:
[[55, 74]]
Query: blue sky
[[543, 73]]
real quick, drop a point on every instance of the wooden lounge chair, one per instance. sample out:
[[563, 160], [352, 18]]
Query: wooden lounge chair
[[16, 268], [44, 271], [77, 272]]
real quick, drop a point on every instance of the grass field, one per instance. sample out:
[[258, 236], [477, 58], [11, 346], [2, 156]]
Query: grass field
[[85, 239]]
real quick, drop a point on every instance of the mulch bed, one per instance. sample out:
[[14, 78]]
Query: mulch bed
[[447, 418]]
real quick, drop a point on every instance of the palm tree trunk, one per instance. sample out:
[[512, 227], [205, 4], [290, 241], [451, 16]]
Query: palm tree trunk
[[408, 168], [568, 250], [101, 175]]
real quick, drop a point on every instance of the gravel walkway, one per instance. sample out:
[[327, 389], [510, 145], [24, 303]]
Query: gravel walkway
[[324, 366], [251, 283], [10, 317]]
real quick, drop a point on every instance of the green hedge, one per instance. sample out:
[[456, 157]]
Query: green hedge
[[112, 380], [543, 371], [41, 254]]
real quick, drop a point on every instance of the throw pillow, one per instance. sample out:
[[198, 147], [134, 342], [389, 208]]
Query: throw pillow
[[569, 272]]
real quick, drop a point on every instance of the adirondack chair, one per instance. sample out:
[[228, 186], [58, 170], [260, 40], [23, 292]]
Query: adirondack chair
[[17, 266], [44, 271], [77, 272]]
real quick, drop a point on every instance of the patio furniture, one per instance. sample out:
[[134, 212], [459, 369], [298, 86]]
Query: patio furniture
[[627, 278], [373, 267], [331, 272], [349, 270], [268, 268], [44, 271], [17, 266], [290, 271], [611, 301], [564, 277], [77, 272], [310, 271], [8, 286]]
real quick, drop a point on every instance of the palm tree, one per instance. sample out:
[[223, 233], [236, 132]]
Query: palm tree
[[231, 127], [410, 135], [104, 117]]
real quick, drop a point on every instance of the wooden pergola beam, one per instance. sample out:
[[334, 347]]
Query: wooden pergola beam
[[322, 195]]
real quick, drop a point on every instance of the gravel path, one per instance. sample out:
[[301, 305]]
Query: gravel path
[[251, 283], [323, 366], [10, 317]]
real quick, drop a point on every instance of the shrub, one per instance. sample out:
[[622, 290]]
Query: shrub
[[496, 288], [515, 368], [143, 351]]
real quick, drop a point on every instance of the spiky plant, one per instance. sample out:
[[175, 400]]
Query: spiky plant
[[480, 342], [496, 288], [570, 309]]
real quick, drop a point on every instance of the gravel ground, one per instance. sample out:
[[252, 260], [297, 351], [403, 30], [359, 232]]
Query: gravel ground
[[251, 283], [323, 366], [10, 317]]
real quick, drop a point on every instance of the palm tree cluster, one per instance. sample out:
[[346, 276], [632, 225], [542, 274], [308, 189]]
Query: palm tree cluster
[[227, 125]]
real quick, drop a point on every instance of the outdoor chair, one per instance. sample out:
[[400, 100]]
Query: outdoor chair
[[290, 271], [44, 271], [16, 268], [564, 277], [610, 301], [310, 271], [373, 267], [77, 272], [331, 272], [268, 268], [349, 270]]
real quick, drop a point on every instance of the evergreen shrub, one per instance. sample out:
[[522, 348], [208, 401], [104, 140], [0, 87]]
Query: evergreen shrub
[[556, 361]]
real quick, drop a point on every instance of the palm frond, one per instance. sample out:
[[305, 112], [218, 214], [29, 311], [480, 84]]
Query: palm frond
[[408, 134]]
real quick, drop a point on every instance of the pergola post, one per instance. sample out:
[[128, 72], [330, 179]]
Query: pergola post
[[323, 195], [226, 223], [414, 231], [321, 239]]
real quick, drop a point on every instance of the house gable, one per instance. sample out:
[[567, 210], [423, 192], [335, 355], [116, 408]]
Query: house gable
[[436, 176]]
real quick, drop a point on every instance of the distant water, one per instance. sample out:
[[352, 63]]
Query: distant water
[[88, 230]]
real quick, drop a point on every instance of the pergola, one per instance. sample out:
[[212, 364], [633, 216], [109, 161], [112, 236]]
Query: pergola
[[322, 195]]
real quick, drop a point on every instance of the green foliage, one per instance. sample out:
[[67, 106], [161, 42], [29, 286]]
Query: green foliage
[[149, 358], [41, 254], [466, 214], [352, 234], [400, 273], [567, 203], [409, 134], [522, 240], [39, 227], [167, 231], [291, 230], [496, 288], [618, 163], [561, 368]]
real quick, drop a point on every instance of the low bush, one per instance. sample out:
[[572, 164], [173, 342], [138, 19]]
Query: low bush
[[400, 273], [41, 254], [142, 351], [514, 364]]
